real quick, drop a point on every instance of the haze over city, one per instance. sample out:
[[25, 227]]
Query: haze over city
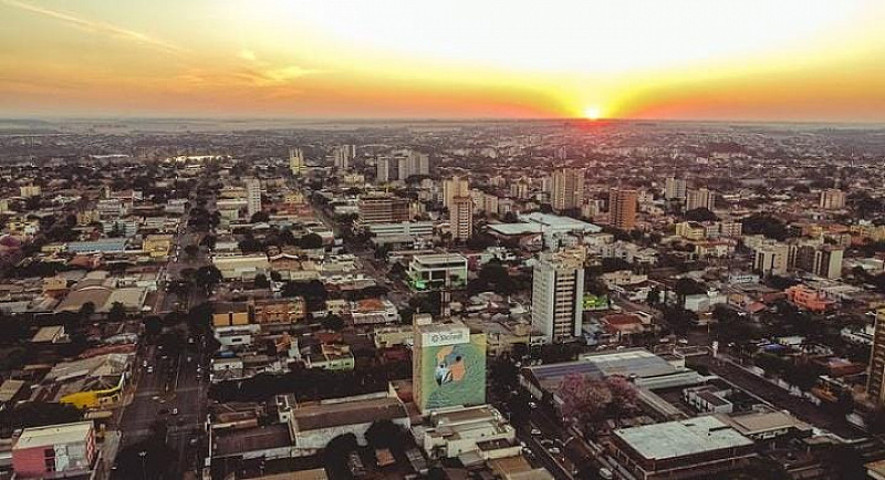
[[794, 60]]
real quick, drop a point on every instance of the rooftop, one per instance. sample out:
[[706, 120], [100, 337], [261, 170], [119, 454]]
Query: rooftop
[[682, 438], [48, 436], [356, 412]]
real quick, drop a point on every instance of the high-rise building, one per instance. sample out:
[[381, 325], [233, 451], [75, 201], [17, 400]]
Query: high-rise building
[[832, 199], [448, 365], [341, 157], [876, 379], [461, 218], [416, 163], [296, 161], [383, 209], [382, 170], [558, 294], [568, 189], [253, 196], [699, 198], [821, 260], [674, 189], [622, 208], [454, 187], [772, 258]]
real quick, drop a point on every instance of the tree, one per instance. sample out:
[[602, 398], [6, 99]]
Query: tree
[[191, 250], [259, 217], [261, 281], [332, 322], [117, 312], [701, 215], [585, 400], [384, 434], [310, 241], [208, 276], [653, 297]]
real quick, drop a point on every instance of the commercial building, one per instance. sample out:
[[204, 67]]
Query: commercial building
[[383, 209], [696, 448], [461, 218], [699, 198], [832, 199], [568, 189], [437, 271], [314, 426], [810, 299], [479, 431], [622, 208], [557, 294], [448, 366], [253, 196], [674, 189], [876, 379], [55, 451], [401, 229]]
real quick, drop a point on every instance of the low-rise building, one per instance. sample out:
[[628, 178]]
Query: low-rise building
[[55, 451]]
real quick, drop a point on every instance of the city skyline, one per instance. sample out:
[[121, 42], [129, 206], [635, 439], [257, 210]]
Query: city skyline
[[684, 60]]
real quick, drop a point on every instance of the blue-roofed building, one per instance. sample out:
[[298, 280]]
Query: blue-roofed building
[[104, 245]]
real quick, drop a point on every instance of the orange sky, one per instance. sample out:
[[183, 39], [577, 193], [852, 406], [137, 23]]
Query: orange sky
[[683, 59]]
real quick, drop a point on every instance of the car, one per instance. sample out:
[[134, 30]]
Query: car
[[535, 432], [554, 450], [175, 411], [151, 369], [533, 405], [144, 364], [606, 473], [546, 442]]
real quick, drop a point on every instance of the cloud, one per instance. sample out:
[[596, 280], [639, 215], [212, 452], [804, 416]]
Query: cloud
[[247, 55], [96, 27]]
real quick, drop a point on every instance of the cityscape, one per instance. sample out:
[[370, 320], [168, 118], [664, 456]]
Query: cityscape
[[493, 256]]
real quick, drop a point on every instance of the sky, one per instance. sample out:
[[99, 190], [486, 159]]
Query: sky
[[792, 60]]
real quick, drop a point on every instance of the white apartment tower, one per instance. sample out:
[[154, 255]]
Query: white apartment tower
[[700, 198], [568, 189], [253, 196], [558, 294], [461, 218], [454, 187], [296, 161], [674, 189], [382, 170]]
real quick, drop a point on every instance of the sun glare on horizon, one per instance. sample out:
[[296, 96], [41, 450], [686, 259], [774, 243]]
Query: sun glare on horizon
[[592, 113]]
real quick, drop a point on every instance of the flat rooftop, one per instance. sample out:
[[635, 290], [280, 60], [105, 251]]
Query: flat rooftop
[[682, 438], [66, 433], [357, 412], [236, 442]]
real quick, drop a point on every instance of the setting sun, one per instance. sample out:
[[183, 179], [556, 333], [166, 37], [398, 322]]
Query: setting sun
[[592, 113]]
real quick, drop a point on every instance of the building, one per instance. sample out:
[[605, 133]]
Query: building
[[772, 258], [557, 294], [296, 161], [453, 188], [382, 170], [832, 199], [699, 198], [416, 163], [461, 218], [448, 366], [314, 426], [622, 208], [55, 451], [253, 196], [876, 378], [437, 271], [674, 189], [462, 432], [568, 189], [821, 260], [383, 209], [28, 191], [342, 155], [696, 448], [401, 229], [810, 299]]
